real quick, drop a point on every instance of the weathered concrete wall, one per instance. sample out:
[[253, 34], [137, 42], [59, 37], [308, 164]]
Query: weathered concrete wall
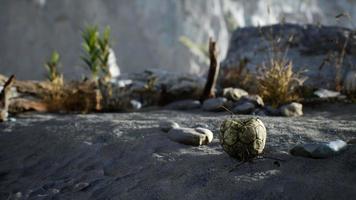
[[145, 33]]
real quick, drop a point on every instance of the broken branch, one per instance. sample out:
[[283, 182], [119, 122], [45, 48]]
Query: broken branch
[[209, 90]]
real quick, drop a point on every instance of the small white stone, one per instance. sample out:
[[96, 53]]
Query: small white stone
[[168, 125], [187, 136], [209, 135], [292, 110]]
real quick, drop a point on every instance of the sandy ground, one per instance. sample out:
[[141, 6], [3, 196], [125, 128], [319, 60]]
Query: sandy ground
[[126, 156]]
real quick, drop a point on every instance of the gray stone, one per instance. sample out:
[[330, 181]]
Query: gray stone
[[255, 99], [234, 94], [272, 111], [352, 141], [135, 105], [214, 104], [319, 150], [184, 105], [303, 45], [260, 112], [325, 94], [209, 135], [81, 186], [244, 108], [292, 110], [168, 125], [190, 136]]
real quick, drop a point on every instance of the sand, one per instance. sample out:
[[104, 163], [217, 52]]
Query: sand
[[126, 156]]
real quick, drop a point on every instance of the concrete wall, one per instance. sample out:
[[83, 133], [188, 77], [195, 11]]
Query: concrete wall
[[145, 32]]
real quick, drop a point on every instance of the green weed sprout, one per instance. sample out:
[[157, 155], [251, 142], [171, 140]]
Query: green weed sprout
[[97, 51], [52, 65]]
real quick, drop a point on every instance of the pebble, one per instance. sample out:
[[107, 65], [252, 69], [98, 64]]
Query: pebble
[[352, 141], [11, 119], [319, 150], [81, 186], [272, 111], [184, 105], [165, 126], [234, 94], [244, 108], [136, 105], [292, 110], [190, 136], [209, 135], [214, 104], [260, 112], [255, 99], [324, 93]]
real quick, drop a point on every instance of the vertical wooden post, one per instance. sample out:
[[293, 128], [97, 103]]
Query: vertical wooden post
[[209, 90]]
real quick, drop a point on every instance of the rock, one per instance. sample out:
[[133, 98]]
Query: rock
[[209, 135], [243, 139], [244, 108], [272, 111], [234, 94], [303, 45], [81, 186], [184, 105], [135, 105], [255, 99], [122, 83], [292, 110], [190, 136], [260, 112], [214, 104], [325, 94], [168, 125], [319, 150], [201, 125], [350, 82], [113, 66], [11, 119], [175, 85], [352, 141]]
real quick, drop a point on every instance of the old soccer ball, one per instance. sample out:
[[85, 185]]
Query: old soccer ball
[[243, 139]]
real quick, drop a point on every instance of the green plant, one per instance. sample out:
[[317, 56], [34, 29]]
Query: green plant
[[278, 83], [97, 51], [52, 66]]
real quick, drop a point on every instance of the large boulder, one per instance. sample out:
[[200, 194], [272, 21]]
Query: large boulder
[[311, 47]]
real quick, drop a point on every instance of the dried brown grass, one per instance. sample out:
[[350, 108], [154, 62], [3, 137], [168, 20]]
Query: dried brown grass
[[278, 83]]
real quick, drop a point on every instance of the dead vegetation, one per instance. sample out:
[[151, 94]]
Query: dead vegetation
[[44, 96], [277, 82]]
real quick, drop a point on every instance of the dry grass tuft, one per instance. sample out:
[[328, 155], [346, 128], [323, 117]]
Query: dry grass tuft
[[278, 83]]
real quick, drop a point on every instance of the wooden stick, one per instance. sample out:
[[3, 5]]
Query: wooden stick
[[5, 98], [209, 90]]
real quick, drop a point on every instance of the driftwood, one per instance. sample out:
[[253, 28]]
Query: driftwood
[[147, 89], [5, 98], [209, 90]]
